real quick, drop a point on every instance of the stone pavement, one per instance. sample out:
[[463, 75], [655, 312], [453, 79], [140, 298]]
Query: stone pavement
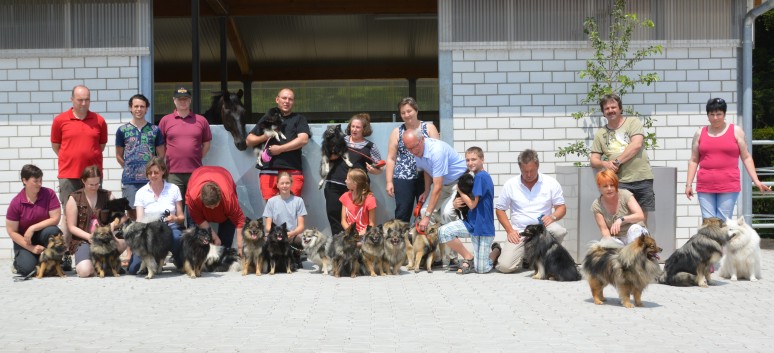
[[438, 312]]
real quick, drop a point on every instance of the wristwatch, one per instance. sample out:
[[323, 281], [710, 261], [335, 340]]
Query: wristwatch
[[427, 214], [621, 218], [616, 162], [552, 217]]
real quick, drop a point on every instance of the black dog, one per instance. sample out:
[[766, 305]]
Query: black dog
[[333, 146], [277, 248], [546, 256], [150, 241], [271, 125], [464, 186], [114, 211], [195, 244]]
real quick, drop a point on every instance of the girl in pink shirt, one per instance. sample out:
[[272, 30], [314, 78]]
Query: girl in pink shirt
[[357, 203]]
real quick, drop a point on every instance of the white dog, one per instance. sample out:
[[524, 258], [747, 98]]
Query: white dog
[[742, 254]]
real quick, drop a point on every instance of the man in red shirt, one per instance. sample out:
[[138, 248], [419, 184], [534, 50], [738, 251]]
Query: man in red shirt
[[78, 137], [212, 198]]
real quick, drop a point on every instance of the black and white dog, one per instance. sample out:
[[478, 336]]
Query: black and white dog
[[333, 144], [271, 124]]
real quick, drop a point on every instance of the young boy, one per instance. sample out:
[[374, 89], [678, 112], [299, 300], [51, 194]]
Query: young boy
[[480, 223]]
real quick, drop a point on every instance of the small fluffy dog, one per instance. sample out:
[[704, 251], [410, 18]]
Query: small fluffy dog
[[195, 245], [50, 260], [272, 127], [742, 254], [690, 264], [547, 257], [333, 144], [464, 186], [253, 240], [277, 248], [394, 245], [222, 259], [344, 253], [373, 250], [104, 252], [629, 268], [424, 246], [315, 245], [150, 241]]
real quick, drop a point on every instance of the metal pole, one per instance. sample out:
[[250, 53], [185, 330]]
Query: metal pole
[[223, 56], [745, 207], [195, 61]]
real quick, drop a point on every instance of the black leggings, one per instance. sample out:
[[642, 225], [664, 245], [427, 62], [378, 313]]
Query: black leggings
[[25, 261], [333, 206]]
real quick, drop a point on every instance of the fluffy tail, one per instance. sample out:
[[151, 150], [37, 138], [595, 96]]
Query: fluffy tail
[[680, 279]]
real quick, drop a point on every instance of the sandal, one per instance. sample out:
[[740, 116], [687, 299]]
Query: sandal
[[465, 267]]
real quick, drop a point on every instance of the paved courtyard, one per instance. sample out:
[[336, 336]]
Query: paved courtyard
[[438, 312]]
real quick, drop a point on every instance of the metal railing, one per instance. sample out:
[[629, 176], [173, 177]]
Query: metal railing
[[763, 221]]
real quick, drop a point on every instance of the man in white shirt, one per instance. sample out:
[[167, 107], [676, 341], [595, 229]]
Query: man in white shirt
[[531, 197]]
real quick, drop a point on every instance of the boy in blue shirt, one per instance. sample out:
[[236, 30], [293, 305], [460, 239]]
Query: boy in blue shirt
[[479, 225]]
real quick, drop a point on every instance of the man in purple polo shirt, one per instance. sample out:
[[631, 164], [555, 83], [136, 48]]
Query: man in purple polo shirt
[[188, 139]]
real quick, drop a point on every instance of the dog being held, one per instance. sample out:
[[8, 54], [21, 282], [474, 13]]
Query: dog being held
[[315, 245], [271, 126], [344, 252], [690, 264], [277, 249], [253, 240], [150, 241], [115, 209], [195, 246], [394, 245], [464, 186], [333, 146], [628, 268], [546, 256], [373, 250], [742, 254], [104, 252], [50, 260]]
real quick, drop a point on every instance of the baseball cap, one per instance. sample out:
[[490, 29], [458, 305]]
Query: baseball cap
[[182, 92]]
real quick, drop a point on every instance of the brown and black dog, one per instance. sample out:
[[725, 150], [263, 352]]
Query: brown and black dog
[[51, 257], [629, 268], [104, 252]]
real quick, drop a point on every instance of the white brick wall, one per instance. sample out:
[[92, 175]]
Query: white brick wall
[[32, 92], [543, 88]]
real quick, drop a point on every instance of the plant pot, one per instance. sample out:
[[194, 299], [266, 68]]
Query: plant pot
[[580, 189]]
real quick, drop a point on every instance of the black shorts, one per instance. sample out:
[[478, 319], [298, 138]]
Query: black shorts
[[643, 193]]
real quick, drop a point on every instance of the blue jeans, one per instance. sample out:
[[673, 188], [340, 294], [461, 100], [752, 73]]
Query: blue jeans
[[129, 190], [134, 262], [407, 191], [720, 205]]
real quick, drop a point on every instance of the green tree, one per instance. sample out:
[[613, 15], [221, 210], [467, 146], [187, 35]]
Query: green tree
[[609, 69]]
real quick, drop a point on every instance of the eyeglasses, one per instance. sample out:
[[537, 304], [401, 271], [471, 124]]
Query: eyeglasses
[[413, 147], [94, 185]]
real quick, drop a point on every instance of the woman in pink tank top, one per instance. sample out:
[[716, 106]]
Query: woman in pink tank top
[[714, 152]]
